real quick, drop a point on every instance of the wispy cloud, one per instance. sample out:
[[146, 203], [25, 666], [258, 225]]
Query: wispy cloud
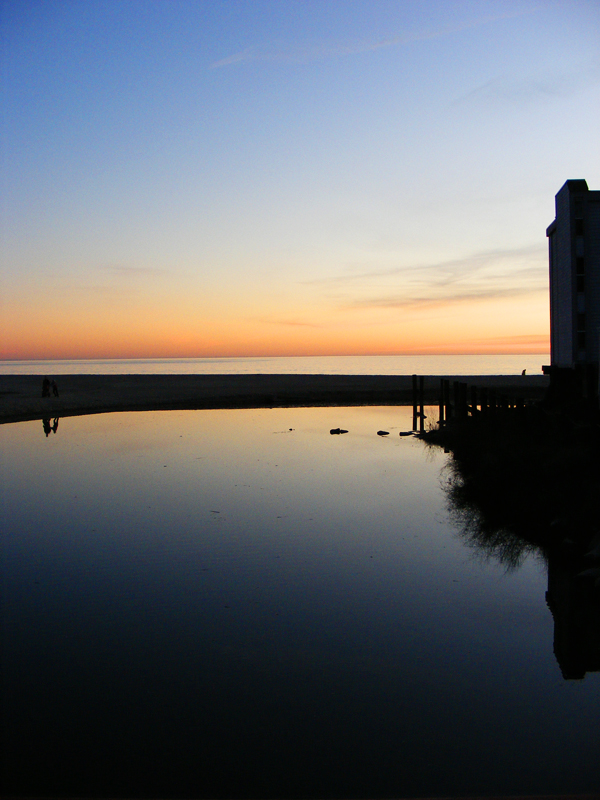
[[116, 282], [449, 298], [488, 275], [249, 54], [502, 90], [291, 323], [101, 292], [453, 269], [526, 340], [307, 53], [117, 269]]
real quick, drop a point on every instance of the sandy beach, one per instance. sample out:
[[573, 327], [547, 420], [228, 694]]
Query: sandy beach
[[20, 395]]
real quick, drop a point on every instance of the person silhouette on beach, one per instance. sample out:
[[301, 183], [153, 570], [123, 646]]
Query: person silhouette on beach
[[45, 388], [54, 388]]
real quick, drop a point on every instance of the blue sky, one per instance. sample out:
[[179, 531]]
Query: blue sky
[[249, 178]]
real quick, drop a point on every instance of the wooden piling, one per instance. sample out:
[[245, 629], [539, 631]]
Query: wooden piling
[[456, 397], [442, 407], [483, 399], [447, 400], [473, 401], [415, 401], [460, 400]]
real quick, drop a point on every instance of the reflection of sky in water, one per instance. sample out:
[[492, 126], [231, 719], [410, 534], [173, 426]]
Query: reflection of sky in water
[[209, 603]]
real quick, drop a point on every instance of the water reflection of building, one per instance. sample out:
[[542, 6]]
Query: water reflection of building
[[574, 250], [575, 605], [507, 514]]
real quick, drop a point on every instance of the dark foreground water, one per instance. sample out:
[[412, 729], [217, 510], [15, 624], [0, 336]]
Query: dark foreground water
[[240, 604]]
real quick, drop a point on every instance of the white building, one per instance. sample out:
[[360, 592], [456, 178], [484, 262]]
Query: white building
[[574, 243]]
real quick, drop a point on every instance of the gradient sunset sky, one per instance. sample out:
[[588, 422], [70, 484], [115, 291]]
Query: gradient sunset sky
[[189, 179]]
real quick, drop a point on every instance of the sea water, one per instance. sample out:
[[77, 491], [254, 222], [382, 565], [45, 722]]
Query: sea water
[[240, 603], [297, 365]]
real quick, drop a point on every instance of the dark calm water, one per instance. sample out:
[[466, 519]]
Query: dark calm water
[[240, 604]]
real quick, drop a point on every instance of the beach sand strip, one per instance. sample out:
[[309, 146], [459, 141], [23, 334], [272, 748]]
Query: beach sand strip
[[20, 395]]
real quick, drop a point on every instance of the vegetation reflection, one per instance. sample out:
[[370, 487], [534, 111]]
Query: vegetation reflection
[[527, 484]]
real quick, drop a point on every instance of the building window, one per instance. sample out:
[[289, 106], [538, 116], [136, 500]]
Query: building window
[[580, 322], [578, 227], [580, 283], [581, 340], [580, 265]]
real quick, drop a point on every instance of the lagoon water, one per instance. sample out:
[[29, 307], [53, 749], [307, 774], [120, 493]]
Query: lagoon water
[[240, 604]]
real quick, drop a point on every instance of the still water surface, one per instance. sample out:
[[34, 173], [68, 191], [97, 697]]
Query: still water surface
[[240, 604]]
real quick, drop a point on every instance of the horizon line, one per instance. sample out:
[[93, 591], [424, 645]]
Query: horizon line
[[265, 356]]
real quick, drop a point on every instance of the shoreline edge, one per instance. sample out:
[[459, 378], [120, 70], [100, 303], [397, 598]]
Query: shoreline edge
[[21, 400]]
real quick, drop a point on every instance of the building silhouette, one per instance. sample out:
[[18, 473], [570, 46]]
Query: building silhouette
[[574, 251]]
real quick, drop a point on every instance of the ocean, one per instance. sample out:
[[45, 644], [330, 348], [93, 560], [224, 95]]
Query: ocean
[[290, 365]]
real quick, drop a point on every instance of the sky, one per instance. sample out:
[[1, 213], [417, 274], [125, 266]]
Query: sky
[[198, 178]]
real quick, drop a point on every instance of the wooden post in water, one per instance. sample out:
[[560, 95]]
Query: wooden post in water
[[415, 400], [458, 399], [483, 397], [473, 401], [441, 405], [422, 403], [447, 403], [520, 407]]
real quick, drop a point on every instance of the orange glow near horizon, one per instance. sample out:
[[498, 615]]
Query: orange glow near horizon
[[162, 328], [174, 347]]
